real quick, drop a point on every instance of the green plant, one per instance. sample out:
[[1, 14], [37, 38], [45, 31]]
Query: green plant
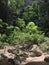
[[30, 12], [38, 38], [20, 23], [16, 5], [9, 30], [3, 37], [1, 22], [36, 35], [31, 27]]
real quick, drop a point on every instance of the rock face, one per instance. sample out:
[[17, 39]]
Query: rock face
[[42, 60], [7, 58], [37, 63], [26, 51], [46, 59], [18, 55], [36, 50]]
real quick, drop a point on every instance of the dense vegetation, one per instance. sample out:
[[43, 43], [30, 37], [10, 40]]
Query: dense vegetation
[[20, 23]]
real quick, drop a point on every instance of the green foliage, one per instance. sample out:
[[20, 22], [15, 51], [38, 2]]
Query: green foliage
[[1, 22], [30, 12], [16, 37], [16, 5], [38, 38], [3, 37], [45, 44], [20, 23], [37, 12], [9, 29], [43, 15], [16, 28], [16, 34], [36, 35], [24, 29], [31, 27]]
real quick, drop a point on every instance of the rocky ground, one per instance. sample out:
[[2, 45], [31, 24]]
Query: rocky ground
[[23, 55]]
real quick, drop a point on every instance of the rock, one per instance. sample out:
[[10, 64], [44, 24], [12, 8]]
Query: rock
[[31, 54], [8, 55], [11, 50], [11, 62], [36, 50], [46, 59], [8, 60], [37, 53], [24, 54], [36, 63]]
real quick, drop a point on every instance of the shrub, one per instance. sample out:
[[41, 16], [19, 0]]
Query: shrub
[[16, 34], [36, 35], [3, 37], [0, 20], [20, 23], [45, 44], [30, 12], [31, 27], [38, 38], [19, 36], [9, 30]]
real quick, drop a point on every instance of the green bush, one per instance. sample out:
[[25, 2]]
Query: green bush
[[23, 37], [3, 37], [16, 5], [45, 44], [36, 35], [16, 34], [38, 38], [1, 22], [31, 27], [9, 30], [30, 12], [20, 23]]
